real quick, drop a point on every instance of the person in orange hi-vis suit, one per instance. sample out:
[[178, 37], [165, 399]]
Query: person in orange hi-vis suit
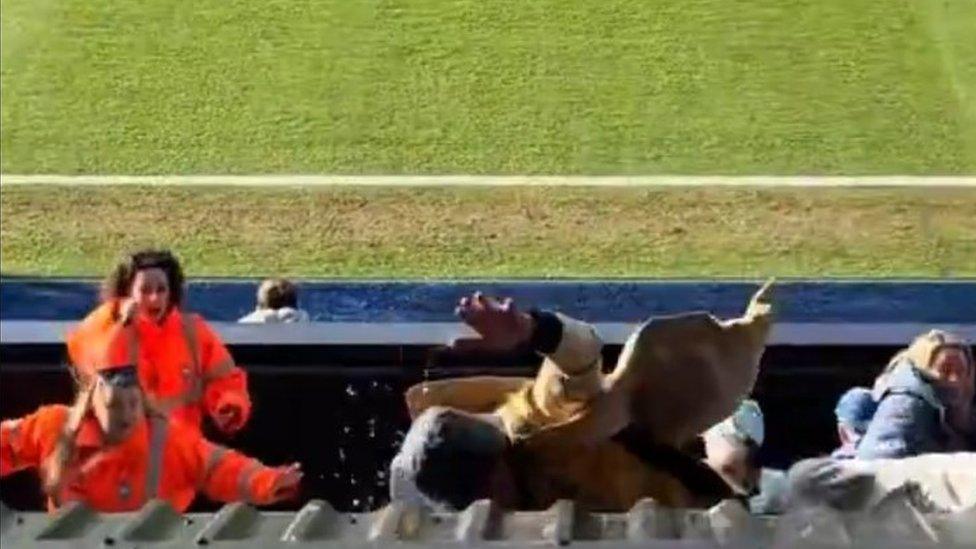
[[184, 368], [106, 450]]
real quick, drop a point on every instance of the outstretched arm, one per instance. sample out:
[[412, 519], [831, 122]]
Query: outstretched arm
[[228, 476], [570, 374], [477, 395], [571, 345], [758, 317], [25, 442]]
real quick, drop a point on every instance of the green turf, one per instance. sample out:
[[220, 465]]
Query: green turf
[[454, 232], [489, 86]]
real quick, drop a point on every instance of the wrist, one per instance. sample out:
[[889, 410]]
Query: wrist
[[126, 315], [547, 331]]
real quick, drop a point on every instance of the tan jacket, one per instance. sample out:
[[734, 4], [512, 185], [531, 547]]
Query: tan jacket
[[675, 377]]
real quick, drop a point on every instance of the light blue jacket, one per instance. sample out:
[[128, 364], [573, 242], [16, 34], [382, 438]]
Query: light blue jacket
[[910, 419]]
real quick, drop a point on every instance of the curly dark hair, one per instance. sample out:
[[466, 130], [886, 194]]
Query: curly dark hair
[[119, 281]]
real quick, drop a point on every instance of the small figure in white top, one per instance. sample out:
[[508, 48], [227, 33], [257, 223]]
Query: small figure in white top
[[277, 303]]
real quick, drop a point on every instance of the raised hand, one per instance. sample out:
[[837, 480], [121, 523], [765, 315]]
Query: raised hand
[[762, 301], [127, 311], [500, 324], [228, 418], [286, 486]]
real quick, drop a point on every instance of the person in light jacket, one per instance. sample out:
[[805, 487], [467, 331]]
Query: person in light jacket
[[277, 303], [854, 411], [925, 401]]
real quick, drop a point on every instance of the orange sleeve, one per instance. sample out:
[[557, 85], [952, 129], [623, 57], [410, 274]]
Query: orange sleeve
[[26, 441], [226, 384], [227, 476], [88, 334]]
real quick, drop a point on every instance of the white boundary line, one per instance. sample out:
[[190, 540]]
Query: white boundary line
[[14, 332], [568, 281], [494, 181]]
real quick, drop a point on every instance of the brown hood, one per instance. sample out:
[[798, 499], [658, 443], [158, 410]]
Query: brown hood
[[676, 377], [689, 372]]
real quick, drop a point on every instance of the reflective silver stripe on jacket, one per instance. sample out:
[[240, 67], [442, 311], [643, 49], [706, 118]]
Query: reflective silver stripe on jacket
[[244, 481], [158, 427], [217, 453]]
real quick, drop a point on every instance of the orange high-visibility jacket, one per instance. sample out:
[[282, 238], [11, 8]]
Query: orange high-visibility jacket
[[184, 367], [161, 459]]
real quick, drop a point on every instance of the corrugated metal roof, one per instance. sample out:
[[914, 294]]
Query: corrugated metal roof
[[895, 524]]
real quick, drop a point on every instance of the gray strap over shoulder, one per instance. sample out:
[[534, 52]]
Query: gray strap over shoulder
[[158, 427]]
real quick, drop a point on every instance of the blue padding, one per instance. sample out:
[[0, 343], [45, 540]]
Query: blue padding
[[925, 302]]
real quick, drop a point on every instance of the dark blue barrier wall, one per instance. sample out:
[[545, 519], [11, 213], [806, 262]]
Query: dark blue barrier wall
[[858, 301]]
